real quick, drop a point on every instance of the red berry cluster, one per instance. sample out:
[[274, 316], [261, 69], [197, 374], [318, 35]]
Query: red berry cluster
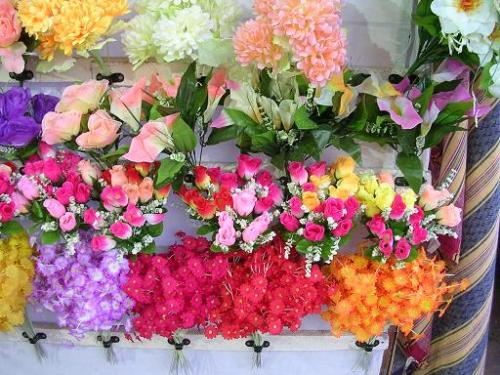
[[266, 292], [176, 290]]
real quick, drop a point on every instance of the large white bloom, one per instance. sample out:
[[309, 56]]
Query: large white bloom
[[482, 46], [466, 16], [179, 37]]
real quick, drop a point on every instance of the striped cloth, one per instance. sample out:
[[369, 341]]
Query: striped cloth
[[456, 343]]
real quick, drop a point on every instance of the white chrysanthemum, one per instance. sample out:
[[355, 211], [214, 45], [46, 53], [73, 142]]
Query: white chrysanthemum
[[179, 37], [138, 39], [495, 80], [466, 16]]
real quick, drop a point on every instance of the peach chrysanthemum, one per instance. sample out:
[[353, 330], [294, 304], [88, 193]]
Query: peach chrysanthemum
[[265, 8], [253, 43], [314, 33]]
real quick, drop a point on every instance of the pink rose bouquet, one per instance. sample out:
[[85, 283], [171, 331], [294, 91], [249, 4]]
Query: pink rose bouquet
[[54, 193], [399, 221], [318, 216], [237, 206], [130, 211]]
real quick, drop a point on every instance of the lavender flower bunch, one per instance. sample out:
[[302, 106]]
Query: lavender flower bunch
[[84, 290]]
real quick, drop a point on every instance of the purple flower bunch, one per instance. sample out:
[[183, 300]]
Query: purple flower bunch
[[21, 116], [84, 290]]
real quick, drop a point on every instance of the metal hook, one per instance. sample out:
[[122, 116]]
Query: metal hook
[[107, 344], [25, 75], [179, 345], [112, 78], [367, 347], [257, 348], [33, 340]]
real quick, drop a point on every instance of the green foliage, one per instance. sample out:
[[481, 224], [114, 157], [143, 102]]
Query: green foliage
[[411, 167], [183, 136]]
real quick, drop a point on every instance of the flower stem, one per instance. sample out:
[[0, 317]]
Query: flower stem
[[104, 68]]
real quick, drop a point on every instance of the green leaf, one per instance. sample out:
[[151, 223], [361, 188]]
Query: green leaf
[[453, 113], [344, 241], [192, 95], [113, 156], [240, 118], [357, 79], [167, 171], [302, 120], [265, 142], [206, 229], [422, 103], [437, 133], [150, 249], [413, 255], [50, 237], [37, 210], [220, 135], [279, 160], [411, 167], [155, 230], [322, 137], [303, 246], [407, 139], [28, 151], [358, 119], [348, 145], [447, 86], [428, 23], [11, 228], [183, 136]]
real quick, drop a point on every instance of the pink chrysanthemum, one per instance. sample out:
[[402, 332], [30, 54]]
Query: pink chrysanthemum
[[253, 43]]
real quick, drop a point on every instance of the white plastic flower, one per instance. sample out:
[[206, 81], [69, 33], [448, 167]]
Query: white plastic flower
[[482, 46], [138, 39], [466, 16], [179, 37]]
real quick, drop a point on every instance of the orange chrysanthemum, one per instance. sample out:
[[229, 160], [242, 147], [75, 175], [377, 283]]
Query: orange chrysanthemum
[[367, 295]]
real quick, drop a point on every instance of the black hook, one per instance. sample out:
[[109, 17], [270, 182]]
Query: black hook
[[367, 347], [112, 78], [107, 344], [257, 348], [33, 340], [25, 75], [179, 345]]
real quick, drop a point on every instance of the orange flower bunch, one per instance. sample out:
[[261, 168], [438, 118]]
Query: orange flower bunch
[[365, 295]]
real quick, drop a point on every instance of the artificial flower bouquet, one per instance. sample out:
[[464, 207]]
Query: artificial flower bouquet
[[465, 30], [233, 295], [295, 47], [167, 31], [130, 210], [238, 207], [84, 289], [53, 191], [365, 296], [399, 222], [16, 276], [318, 216], [21, 116]]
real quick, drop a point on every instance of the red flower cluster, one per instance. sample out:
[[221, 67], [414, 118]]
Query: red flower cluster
[[206, 205], [266, 292], [176, 290]]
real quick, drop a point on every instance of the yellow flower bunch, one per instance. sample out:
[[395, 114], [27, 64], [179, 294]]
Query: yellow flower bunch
[[16, 274], [377, 193], [367, 295], [68, 25], [346, 182]]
